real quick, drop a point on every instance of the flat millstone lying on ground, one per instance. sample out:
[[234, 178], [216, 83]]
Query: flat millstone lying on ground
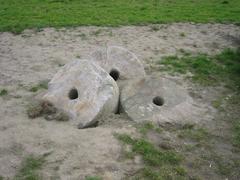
[[119, 63], [159, 100], [84, 91]]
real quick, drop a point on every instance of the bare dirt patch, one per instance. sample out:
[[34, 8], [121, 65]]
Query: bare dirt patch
[[31, 57]]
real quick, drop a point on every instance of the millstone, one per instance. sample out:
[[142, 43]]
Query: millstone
[[120, 63], [84, 91], [157, 99]]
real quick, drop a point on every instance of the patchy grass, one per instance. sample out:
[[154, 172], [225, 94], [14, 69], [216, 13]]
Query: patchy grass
[[223, 168], [153, 156], [147, 126], [166, 172], [83, 36], [182, 34], [220, 69], [158, 164], [30, 167], [236, 133], [3, 92], [40, 85], [204, 153], [196, 134], [217, 103], [78, 56], [93, 178], [97, 32], [227, 167], [234, 100], [207, 70], [154, 28], [184, 52], [233, 105], [17, 15], [224, 164], [202, 68]]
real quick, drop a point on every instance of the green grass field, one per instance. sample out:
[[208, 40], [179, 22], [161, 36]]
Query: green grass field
[[16, 15]]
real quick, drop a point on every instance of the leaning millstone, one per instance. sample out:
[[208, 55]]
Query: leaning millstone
[[84, 91], [120, 63], [158, 100]]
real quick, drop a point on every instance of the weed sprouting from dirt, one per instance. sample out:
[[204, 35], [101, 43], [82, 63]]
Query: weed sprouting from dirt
[[184, 52], [196, 134], [30, 167], [166, 172], [217, 103], [182, 34], [154, 28], [97, 32], [145, 127], [83, 36], [228, 167], [93, 178], [47, 110], [3, 92], [78, 56], [236, 133], [40, 85]]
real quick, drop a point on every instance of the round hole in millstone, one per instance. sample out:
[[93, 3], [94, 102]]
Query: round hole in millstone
[[158, 101], [114, 74], [73, 94]]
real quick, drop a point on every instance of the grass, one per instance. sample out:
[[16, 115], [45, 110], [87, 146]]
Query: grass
[[207, 70], [196, 134], [227, 167], [3, 92], [30, 167], [182, 34], [154, 28], [236, 133], [93, 178], [17, 15], [97, 32], [40, 85], [217, 103], [145, 127], [234, 101], [223, 68], [223, 168], [83, 36], [158, 164], [163, 173]]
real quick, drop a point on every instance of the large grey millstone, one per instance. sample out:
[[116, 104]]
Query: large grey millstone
[[174, 104], [84, 91], [116, 59]]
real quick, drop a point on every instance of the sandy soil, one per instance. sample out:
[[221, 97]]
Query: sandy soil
[[32, 56]]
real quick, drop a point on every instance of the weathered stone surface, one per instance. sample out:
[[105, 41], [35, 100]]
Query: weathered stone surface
[[158, 100], [84, 91], [120, 63]]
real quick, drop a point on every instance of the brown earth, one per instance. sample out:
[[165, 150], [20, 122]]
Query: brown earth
[[31, 57]]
